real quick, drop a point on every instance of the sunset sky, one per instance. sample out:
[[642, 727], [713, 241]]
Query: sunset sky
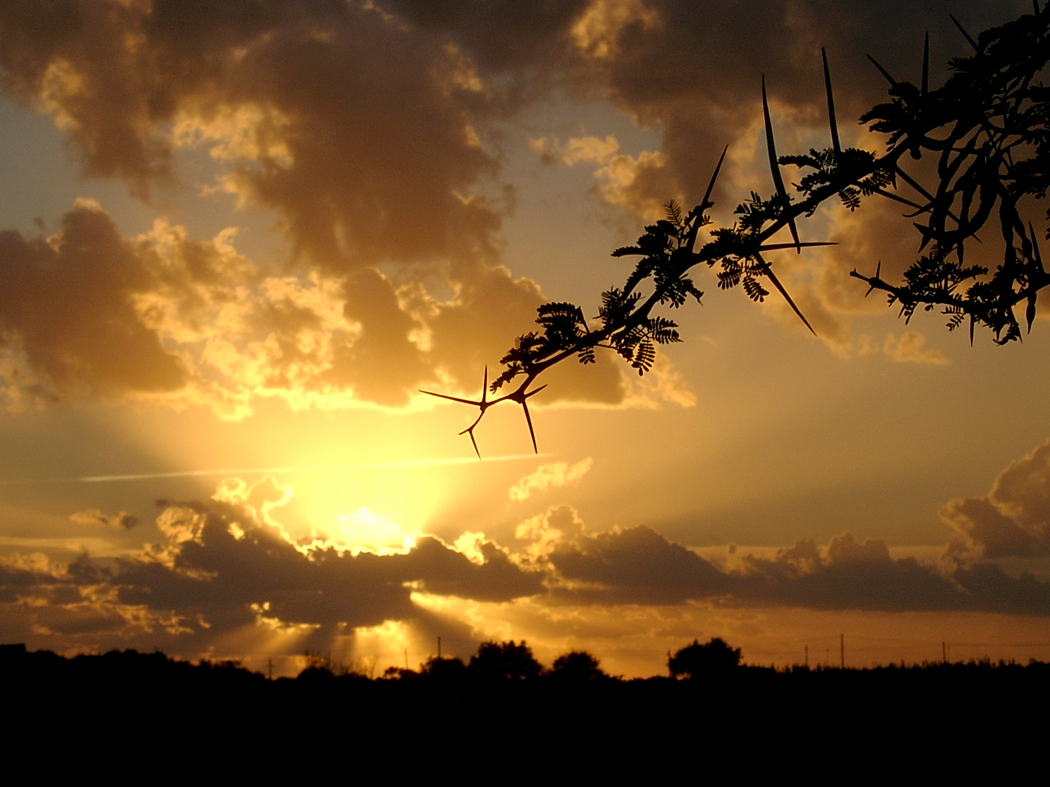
[[238, 236]]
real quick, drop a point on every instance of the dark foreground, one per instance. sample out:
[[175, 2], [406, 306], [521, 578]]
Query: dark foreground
[[975, 718]]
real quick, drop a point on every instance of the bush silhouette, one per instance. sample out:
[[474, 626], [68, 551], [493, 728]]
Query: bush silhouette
[[577, 665], [440, 668], [711, 658]]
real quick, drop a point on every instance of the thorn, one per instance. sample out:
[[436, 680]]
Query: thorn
[[483, 404], [871, 288], [914, 184], [450, 398], [925, 232], [522, 398], [897, 198], [778, 246], [965, 34], [831, 103], [532, 432], [885, 73], [926, 65], [706, 203], [776, 283], [774, 167], [1035, 249]]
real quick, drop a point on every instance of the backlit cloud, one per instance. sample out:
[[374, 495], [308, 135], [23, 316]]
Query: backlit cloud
[[549, 476], [1014, 518]]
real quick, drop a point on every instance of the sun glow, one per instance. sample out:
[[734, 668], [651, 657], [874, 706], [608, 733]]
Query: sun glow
[[365, 531]]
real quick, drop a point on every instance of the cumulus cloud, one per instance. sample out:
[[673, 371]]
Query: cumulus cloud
[[848, 574], [637, 565], [357, 126], [68, 309], [1013, 519], [549, 476]]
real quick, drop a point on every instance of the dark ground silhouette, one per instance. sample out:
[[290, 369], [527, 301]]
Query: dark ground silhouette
[[930, 717]]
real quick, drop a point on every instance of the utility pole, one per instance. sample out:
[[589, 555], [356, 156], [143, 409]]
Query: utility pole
[[807, 656], [944, 652], [439, 647], [842, 650]]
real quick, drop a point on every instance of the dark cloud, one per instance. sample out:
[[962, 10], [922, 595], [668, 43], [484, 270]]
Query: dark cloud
[[354, 127], [67, 306], [696, 72], [635, 565], [500, 35], [849, 575], [639, 566], [363, 128]]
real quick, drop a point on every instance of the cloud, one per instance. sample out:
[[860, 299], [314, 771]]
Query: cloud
[[373, 131], [637, 565], [68, 309], [849, 575], [95, 517], [225, 575], [909, 349], [225, 565], [554, 475], [599, 30], [351, 124], [1013, 520], [90, 312], [642, 184]]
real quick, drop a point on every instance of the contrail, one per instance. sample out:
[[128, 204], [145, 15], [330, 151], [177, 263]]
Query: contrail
[[105, 479], [101, 479]]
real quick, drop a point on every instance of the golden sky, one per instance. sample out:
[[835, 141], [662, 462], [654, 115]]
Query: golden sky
[[238, 238]]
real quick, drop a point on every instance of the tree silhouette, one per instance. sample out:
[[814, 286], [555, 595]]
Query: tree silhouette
[[697, 661], [504, 661], [988, 130]]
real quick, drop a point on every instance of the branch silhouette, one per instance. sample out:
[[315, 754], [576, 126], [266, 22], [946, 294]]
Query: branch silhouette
[[988, 127], [520, 395]]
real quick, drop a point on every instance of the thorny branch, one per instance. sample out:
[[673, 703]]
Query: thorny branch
[[988, 127]]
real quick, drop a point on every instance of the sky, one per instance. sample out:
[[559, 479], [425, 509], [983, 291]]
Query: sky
[[238, 238]]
